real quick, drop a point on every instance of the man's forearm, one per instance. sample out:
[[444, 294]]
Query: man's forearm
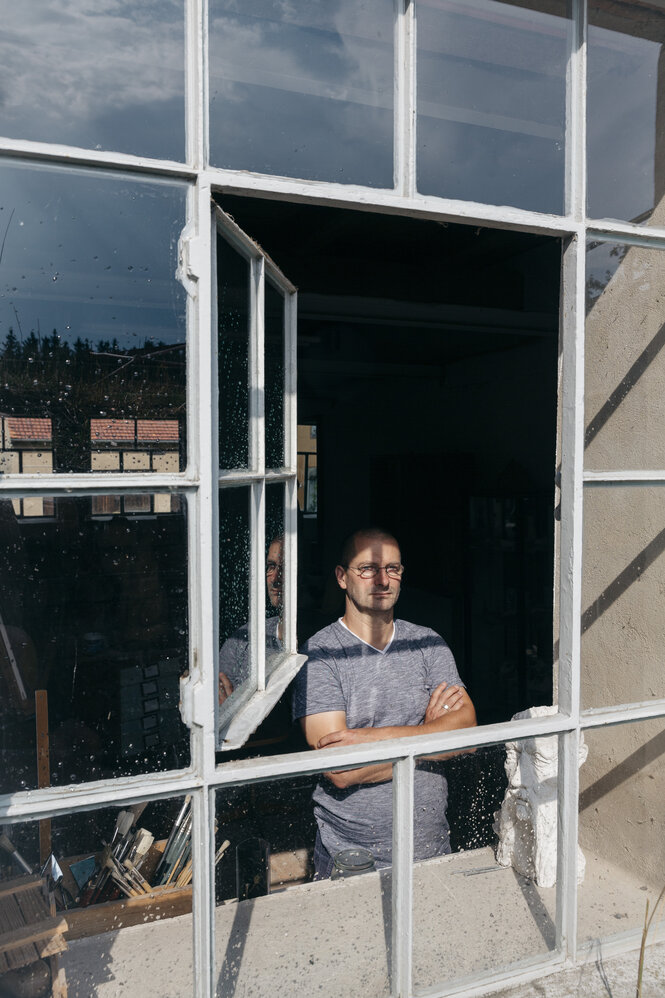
[[380, 773]]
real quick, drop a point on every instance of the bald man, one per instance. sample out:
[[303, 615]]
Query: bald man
[[370, 676]]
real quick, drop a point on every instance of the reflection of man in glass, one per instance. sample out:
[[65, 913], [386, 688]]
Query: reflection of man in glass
[[234, 653]]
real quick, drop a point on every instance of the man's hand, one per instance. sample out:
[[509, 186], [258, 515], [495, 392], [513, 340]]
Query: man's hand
[[225, 687], [349, 736], [443, 699]]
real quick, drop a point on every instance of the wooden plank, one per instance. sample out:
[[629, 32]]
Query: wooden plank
[[58, 981], [43, 768], [113, 915], [32, 933], [19, 884]]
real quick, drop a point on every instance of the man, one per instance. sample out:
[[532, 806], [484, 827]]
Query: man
[[370, 677], [234, 653]]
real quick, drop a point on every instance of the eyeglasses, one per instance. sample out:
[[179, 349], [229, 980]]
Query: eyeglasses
[[369, 571], [272, 567]]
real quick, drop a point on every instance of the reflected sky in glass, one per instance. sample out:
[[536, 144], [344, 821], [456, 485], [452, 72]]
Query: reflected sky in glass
[[108, 75], [491, 103], [625, 165], [303, 89], [92, 316]]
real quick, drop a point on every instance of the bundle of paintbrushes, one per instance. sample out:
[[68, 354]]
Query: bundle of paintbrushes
[[123, 857], [175, 866]]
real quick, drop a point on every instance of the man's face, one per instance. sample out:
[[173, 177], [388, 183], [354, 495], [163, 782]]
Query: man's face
[[274, 572], [379, 593]]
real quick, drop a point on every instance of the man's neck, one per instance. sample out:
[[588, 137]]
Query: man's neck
[[374, 628]]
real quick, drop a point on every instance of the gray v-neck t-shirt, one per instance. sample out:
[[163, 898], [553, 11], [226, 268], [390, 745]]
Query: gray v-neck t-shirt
[[375, 689]]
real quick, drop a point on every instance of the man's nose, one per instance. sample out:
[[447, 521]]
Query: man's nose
[[382, 576]]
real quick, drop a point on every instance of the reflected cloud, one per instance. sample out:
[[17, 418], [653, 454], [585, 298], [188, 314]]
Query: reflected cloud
[[313, 71], [111, 77]]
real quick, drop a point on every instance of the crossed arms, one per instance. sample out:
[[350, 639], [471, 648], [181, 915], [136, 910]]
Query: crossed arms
[[449, 707]]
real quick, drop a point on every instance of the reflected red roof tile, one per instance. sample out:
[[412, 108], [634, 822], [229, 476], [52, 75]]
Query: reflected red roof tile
[[123, 430], [29, 428], [159, 430], [111, 430]]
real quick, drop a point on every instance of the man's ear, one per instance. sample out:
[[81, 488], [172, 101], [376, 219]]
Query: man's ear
[[340, 575]]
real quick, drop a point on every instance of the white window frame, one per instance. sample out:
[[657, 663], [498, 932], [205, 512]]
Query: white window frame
[[199, 482], [261, 697]]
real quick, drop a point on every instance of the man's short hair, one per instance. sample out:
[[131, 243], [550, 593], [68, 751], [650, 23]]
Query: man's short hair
[[372, 533]]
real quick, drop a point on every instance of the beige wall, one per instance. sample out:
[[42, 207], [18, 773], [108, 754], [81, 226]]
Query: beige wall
[[623, 623]]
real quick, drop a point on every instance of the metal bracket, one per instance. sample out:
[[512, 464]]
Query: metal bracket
[[192, 706], [190, 259]]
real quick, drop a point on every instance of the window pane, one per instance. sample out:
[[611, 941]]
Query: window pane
[[274, 376], [92, 318], [303, 89], [94, 613], [292, 942], [111, 77], [235, 668], [491, 102], [621, 822], [276, 582], [623, 626], [119, 924], [625, 361], [498, 882], [624, 111], [233, 356]]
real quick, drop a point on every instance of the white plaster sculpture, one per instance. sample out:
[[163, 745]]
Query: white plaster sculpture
[[527, 822]]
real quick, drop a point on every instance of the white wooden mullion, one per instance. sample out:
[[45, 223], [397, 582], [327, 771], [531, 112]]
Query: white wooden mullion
[[257, 622], [290, 555], [402, 878], [195, 81], [257, 462], [575, 194], [405, 98], [204, 573], [203, 899], [571, 539]]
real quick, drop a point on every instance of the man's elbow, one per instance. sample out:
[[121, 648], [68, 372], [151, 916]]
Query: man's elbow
[[341, 779]]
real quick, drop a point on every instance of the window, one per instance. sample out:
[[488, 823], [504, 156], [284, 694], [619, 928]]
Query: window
[[152, 474]]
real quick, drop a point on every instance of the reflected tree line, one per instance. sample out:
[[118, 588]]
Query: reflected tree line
[[70, 383]]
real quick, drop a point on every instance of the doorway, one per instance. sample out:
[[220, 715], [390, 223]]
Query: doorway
[[427, 386]]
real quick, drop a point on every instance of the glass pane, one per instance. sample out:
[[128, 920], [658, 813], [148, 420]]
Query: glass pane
[[623, 625], [129, 929], [308, 501], [235, 671], [108, 77], [93, 610], [92, 319], [276, 583], [499, 881], [233, 356], [328, 938], [274, 376], [303, 89], [492, 101], [621, 822], [624, 111], [625, 362]]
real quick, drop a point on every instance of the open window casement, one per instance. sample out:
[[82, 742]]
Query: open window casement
[[257, 462]]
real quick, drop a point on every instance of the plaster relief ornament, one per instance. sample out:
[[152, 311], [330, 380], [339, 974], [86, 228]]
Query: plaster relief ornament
[[527, 822]]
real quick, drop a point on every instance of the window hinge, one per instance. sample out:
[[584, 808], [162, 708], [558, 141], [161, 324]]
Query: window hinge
[[190, 259], [192, 707]]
